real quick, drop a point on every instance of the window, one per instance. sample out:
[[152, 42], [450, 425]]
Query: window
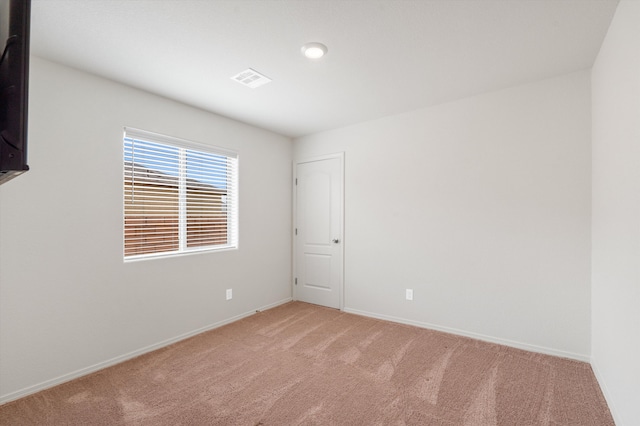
[[179, 197]]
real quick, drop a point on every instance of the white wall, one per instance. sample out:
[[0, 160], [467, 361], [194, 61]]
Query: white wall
[[482, 206], [616, 215], [68, 303]]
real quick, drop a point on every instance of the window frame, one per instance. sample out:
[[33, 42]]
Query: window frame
[[230, 206]]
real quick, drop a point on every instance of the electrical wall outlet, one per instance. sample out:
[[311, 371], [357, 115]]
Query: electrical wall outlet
[[229, 294], [409, 294]]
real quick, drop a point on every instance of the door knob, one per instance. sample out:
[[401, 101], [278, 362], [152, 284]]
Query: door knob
[[335, 240]]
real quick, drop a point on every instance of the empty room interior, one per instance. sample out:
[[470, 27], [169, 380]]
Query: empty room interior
[[461, 178]]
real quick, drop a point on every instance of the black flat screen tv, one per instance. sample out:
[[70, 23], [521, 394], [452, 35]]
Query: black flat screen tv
[[15, 18]]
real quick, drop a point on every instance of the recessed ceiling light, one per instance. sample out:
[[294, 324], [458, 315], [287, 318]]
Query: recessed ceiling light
[[314, 50]]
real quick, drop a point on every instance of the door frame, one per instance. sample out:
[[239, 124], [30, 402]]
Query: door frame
[[294, 254]]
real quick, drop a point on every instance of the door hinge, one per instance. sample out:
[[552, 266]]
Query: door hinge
[[296, 281], [296, 231], [296, 181]]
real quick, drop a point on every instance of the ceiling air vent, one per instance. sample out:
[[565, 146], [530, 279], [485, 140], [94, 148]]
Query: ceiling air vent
[[251, 78]]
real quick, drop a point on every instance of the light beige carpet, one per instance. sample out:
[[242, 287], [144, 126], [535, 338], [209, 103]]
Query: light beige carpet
[[300, 364]]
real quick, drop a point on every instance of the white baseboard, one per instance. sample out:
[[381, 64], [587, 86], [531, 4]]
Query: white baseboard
[[491, 339], [113, 361], [605, 392]]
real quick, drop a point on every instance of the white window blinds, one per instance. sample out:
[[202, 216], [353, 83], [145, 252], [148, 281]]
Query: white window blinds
[[179, 196]]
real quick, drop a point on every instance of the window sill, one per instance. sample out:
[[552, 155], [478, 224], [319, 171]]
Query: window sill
[[151, 256]]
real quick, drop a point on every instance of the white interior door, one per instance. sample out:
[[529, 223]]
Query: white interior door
[[318, 244]]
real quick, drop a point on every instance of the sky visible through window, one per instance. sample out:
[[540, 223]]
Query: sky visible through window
[[201, 166]]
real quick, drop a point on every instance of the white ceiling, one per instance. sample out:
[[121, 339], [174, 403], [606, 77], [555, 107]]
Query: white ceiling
[[385, 57]]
